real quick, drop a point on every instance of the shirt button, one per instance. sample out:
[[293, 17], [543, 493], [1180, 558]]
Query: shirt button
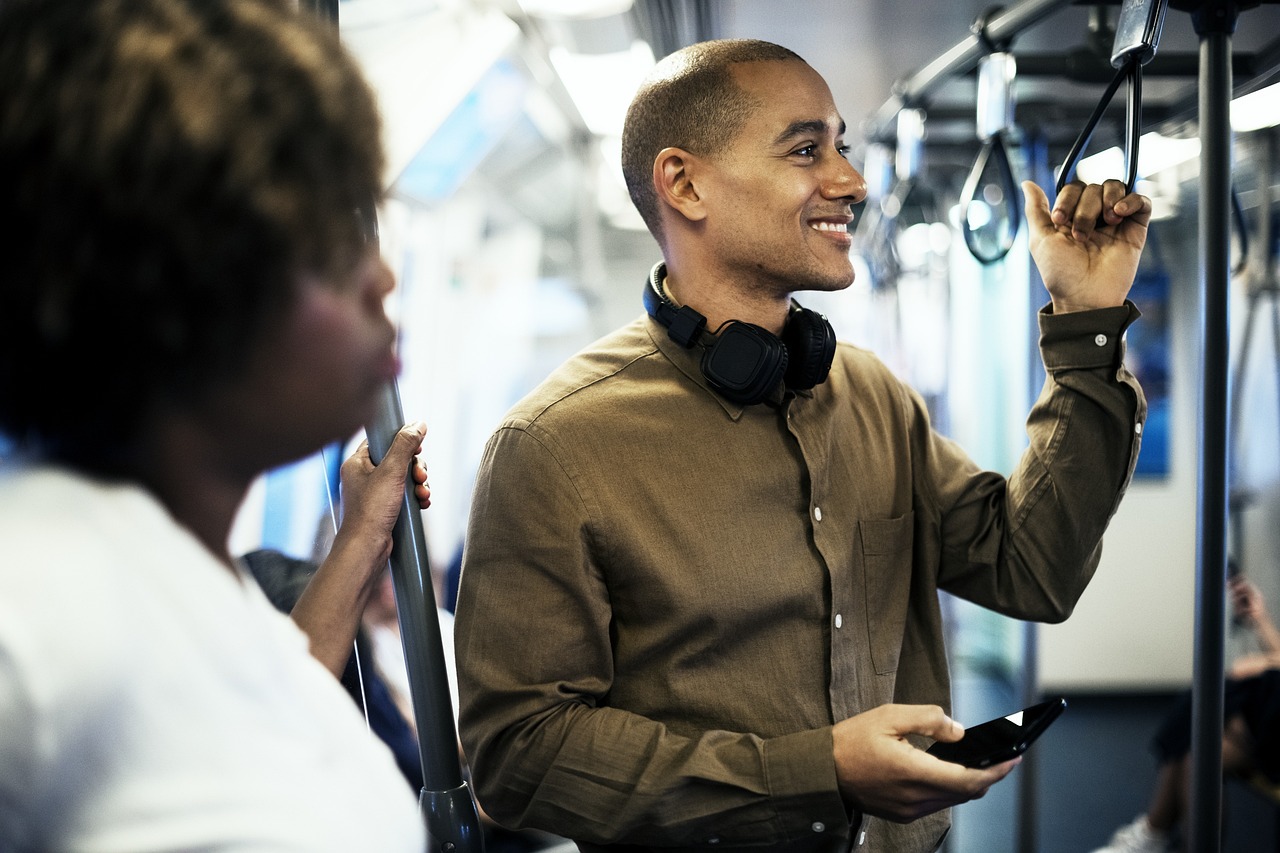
[[839, 620], [819, 826], [1100, 340], [1137, 428], [817, 513]]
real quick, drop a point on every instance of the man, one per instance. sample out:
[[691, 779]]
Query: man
[[699, 600]]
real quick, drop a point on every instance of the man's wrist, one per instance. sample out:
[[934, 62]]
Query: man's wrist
[[1067, 306]]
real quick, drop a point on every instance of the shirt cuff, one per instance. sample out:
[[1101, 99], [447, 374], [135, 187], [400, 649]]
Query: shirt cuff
[[800, 771], [1084, 340]]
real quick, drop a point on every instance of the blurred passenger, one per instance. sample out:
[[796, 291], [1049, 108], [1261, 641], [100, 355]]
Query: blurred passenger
[[188, 301], [381, 652], [283, 578], [1250, 739], [699, 600]]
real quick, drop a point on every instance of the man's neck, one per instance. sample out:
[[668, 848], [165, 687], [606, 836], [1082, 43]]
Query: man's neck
[[720, 300]]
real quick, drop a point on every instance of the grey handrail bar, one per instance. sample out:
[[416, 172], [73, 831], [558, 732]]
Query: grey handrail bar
[[910, 91]]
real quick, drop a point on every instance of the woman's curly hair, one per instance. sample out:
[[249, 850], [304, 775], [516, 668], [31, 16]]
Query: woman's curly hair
[[168, 169]]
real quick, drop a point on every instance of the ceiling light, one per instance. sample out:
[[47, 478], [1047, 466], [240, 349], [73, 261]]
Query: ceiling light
[[602, 84], [1256, 110], [1155, 154], [575, 9], [402, 58]]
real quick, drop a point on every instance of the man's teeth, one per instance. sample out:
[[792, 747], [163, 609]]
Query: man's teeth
[[831, 226]]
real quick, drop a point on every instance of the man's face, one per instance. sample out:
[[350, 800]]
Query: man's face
[[780, 195]]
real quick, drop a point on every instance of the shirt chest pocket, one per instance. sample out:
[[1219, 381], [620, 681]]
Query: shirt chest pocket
[[886, 575]]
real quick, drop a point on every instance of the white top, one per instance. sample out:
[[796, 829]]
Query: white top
[[152, 701]]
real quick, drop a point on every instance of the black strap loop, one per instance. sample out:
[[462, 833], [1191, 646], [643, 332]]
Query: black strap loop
[[1007, 224], [1132, 72]]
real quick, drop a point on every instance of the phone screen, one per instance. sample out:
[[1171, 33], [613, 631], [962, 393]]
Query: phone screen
[[1002, 738]]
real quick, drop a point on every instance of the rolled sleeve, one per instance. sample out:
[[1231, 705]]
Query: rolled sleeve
[[1031, 554]]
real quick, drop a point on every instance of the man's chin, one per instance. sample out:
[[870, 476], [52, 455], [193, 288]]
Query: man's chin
[[831, 282]]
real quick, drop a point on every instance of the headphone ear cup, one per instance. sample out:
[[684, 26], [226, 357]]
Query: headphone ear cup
[[811, 344], [745, 363]]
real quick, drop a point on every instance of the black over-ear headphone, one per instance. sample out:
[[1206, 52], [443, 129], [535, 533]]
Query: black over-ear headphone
[[742, 361]]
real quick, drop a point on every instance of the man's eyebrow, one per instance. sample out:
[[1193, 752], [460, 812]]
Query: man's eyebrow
[[807, 126]]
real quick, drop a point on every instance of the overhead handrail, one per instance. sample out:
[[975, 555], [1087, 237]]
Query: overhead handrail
[[999, 202], [1136, 40], [912, 91]]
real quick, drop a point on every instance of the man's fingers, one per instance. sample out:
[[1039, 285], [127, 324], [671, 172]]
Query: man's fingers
[[1088, 212], [1036, 204], [1113, 192], [928, 720], [1136, 208], [1064, 206]]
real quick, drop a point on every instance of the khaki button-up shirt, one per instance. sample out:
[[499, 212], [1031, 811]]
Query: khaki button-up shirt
[[667, 599]]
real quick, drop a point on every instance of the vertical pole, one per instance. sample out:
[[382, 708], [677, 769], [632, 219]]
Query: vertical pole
[[1028, 817], [453, 824], [447, 806], [1214, 22]]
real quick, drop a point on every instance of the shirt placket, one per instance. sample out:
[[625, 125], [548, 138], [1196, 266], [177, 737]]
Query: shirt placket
[[831, 532]]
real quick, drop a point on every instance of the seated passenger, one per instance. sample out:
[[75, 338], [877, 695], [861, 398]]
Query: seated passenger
[[1250, 739]]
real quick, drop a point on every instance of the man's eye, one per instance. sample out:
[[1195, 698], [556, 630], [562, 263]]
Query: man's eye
[[843, 150], [807, 151]]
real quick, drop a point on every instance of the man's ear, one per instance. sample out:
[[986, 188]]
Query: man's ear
[[675, 174]]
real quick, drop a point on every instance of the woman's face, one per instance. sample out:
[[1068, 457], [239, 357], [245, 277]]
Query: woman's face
[[317, 377]]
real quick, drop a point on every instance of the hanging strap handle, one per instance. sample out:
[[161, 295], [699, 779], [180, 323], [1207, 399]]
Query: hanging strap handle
[[1137, 37], [1131, 71]]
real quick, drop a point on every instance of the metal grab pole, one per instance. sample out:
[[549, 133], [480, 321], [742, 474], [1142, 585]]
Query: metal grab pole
[[452, 820], [453, 823], [1214, 22]]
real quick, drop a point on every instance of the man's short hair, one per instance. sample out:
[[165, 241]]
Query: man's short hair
[[689, 101], [170, 168]]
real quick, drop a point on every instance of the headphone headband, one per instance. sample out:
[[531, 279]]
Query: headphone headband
[[684, 325], [741, 361]]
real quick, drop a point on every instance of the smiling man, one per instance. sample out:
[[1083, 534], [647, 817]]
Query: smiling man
[[699, 600]]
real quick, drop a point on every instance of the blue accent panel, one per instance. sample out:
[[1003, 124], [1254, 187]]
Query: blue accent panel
[[1148, 356], [276, 514], [467, 135], [296, 504]]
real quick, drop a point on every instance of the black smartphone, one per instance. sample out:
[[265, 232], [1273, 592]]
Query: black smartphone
[[1002, 738]]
